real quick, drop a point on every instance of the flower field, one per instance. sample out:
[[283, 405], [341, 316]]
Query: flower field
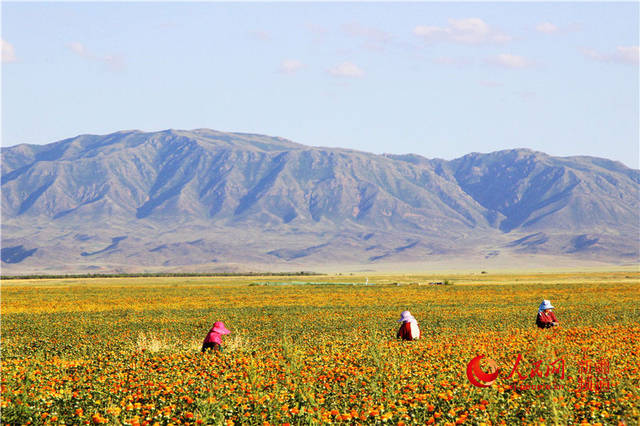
[[127, 351]]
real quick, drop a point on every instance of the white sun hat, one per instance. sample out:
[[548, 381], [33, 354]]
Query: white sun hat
[[406, 316], [545, 305]]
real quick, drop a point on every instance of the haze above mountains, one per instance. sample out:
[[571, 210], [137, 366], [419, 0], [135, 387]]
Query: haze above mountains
[[204, 200]]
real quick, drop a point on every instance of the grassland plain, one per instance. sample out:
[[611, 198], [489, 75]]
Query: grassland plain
[[126, 350]]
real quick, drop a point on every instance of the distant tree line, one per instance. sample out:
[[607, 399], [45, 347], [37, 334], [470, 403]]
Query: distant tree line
[[161, 274]]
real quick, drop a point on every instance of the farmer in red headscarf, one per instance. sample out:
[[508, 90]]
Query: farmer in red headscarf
[[213, 340]]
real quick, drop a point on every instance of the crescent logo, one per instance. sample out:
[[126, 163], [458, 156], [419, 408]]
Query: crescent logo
[[479, 378]]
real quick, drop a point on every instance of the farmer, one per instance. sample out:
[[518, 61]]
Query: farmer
[[546, 318], [214, 337], [409, 329]]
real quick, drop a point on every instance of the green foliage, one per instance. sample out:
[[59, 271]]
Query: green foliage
[[160, 275]]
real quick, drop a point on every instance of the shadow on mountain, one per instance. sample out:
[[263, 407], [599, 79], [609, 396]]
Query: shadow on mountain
[[394, 251], [33, 197], [86, 203], [182, 160], [290, 254], [263, 185], [530, 242], [114, 243], [582, 242], [16, 254]]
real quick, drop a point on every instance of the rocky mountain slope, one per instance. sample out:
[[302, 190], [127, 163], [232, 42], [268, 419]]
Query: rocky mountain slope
[[209, 200]]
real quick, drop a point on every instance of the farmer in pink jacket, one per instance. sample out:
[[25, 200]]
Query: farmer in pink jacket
[[214, 337]]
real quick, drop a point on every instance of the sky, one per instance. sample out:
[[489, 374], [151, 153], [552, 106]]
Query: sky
[[436, 79]]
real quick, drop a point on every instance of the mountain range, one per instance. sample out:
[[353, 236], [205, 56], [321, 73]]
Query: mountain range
[[204, 200]]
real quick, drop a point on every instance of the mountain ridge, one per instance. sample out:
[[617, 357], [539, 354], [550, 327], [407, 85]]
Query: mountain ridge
[[268, 201]]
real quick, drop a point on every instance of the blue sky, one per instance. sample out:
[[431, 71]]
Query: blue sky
[[436, 79]]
